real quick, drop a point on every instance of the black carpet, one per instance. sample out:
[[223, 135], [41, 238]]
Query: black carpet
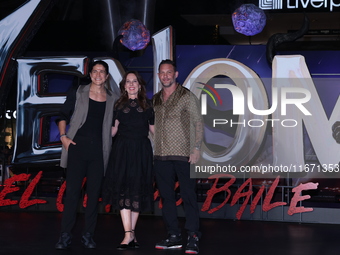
[[37, 233]]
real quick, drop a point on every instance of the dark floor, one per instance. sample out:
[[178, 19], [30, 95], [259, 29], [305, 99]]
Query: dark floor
[[36, 233]]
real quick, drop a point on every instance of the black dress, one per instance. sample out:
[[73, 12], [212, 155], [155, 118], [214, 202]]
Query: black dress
[[129, 177]]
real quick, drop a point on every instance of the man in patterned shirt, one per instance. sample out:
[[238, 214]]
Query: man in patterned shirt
[[178, 137]]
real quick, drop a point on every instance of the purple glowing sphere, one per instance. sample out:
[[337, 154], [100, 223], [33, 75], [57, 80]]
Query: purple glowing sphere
[[135, 35], [249, 19]]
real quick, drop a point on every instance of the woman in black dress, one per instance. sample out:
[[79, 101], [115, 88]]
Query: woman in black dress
[[129, 178]]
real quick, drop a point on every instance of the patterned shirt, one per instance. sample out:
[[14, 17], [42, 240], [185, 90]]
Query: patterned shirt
[[178, 125]]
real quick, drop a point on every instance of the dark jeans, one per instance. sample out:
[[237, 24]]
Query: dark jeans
[[82, 162], [166, 172]]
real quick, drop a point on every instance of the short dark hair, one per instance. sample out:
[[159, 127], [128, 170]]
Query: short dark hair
[[167, 61], [100, 62]]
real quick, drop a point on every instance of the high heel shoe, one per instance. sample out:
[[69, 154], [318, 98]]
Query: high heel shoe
[[136, 244], [130, 245]]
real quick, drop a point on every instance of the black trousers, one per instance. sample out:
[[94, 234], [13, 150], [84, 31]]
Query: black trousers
[[166, 172], [85, 159]]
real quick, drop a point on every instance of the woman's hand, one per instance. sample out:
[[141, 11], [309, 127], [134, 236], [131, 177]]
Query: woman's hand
[[66, 142]]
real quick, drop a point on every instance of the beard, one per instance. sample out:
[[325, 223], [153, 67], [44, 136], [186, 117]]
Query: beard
[[168, 84]]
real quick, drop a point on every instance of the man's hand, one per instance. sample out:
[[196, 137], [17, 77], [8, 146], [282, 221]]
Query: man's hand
[[195, 156]]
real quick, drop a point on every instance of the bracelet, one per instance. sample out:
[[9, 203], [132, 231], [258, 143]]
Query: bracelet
[[62, 135]]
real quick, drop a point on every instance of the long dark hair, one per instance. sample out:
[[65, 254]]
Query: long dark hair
[[141, 96]]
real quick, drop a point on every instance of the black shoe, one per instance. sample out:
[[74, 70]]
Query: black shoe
[[64, 241], [123, 247], [136, 244], [87, 241], [172, 242], [192, 245]]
